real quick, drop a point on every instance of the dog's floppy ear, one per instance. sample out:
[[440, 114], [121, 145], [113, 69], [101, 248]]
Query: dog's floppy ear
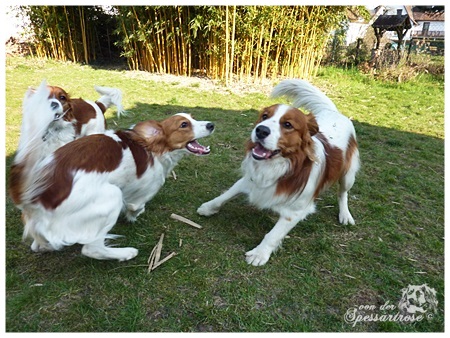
[[313, 127], [148, 129]]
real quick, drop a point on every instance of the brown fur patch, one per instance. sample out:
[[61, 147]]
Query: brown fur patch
[[267, 113], [298, 134], [101, 106], [103, 109], [296, 145], [150, 136], [16, 181], [170, 134], [94, 153], [141, 157], [334, 165], [352, 147], [82, 112], [297, 177], [178, 131]]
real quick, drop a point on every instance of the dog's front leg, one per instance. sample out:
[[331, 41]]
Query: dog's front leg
[[133, 211], [213, 206], [272, 240]]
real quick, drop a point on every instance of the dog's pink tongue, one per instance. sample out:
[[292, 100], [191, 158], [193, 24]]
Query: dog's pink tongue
[[261, 152]]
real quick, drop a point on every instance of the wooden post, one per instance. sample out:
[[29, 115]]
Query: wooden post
[[409, 48], [358, 47]]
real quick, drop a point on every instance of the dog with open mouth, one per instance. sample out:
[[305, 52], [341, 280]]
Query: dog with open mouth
[[291, 158], [75, 194]]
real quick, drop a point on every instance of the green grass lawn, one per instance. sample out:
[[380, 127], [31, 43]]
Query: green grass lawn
[[323, 268]]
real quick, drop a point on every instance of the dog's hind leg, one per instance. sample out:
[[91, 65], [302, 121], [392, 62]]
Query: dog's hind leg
[[98, 250], [345, 184], [107, 213]]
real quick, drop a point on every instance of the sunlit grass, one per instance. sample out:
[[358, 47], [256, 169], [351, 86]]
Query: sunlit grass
[[323, 268]]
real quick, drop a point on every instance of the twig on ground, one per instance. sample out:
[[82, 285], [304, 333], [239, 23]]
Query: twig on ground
[[154, 259], [169, 256], [185, 220]]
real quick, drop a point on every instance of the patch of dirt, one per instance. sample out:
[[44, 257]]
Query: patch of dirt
[[204, 83]]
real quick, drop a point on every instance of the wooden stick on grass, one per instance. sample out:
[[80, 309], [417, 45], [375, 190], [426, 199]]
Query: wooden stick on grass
[[185, 220], [154, 258], [169, 256], [159, 248]]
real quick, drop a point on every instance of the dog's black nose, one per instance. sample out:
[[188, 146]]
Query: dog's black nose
[[54, 105], [262, 132], [210, 126]]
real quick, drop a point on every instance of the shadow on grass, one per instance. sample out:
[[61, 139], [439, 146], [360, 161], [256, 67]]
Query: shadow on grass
[[397, 202]]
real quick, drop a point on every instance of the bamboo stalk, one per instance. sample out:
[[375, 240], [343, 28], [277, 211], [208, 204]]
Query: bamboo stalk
[[232, 43], [267, 50], [258, 53], [227, 37], [83, 34], [250, 59]]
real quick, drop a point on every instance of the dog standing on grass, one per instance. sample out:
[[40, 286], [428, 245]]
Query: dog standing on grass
[[291, 158], [75, 194]]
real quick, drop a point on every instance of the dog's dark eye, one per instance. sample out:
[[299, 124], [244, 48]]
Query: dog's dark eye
[[62, 98], [184, 125], [264, 117], [287, 125]]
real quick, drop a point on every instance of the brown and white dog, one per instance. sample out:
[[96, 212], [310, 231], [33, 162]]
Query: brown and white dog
[[291, 158], [87, 116], [79, 118], [76, 194]]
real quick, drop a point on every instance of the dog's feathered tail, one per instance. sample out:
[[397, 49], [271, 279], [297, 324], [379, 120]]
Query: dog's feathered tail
[[304, 95], [38, 113], [111, 96]]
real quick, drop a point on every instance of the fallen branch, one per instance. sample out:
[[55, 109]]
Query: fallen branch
[[185, 220]]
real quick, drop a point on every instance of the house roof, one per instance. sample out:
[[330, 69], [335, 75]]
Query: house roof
[[428, 13], [390, 22]]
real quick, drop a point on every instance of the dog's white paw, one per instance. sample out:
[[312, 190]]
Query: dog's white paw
[[127, 253], [258, 256], [38, 246], [346, 218], [133, 212], [207, 209]]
